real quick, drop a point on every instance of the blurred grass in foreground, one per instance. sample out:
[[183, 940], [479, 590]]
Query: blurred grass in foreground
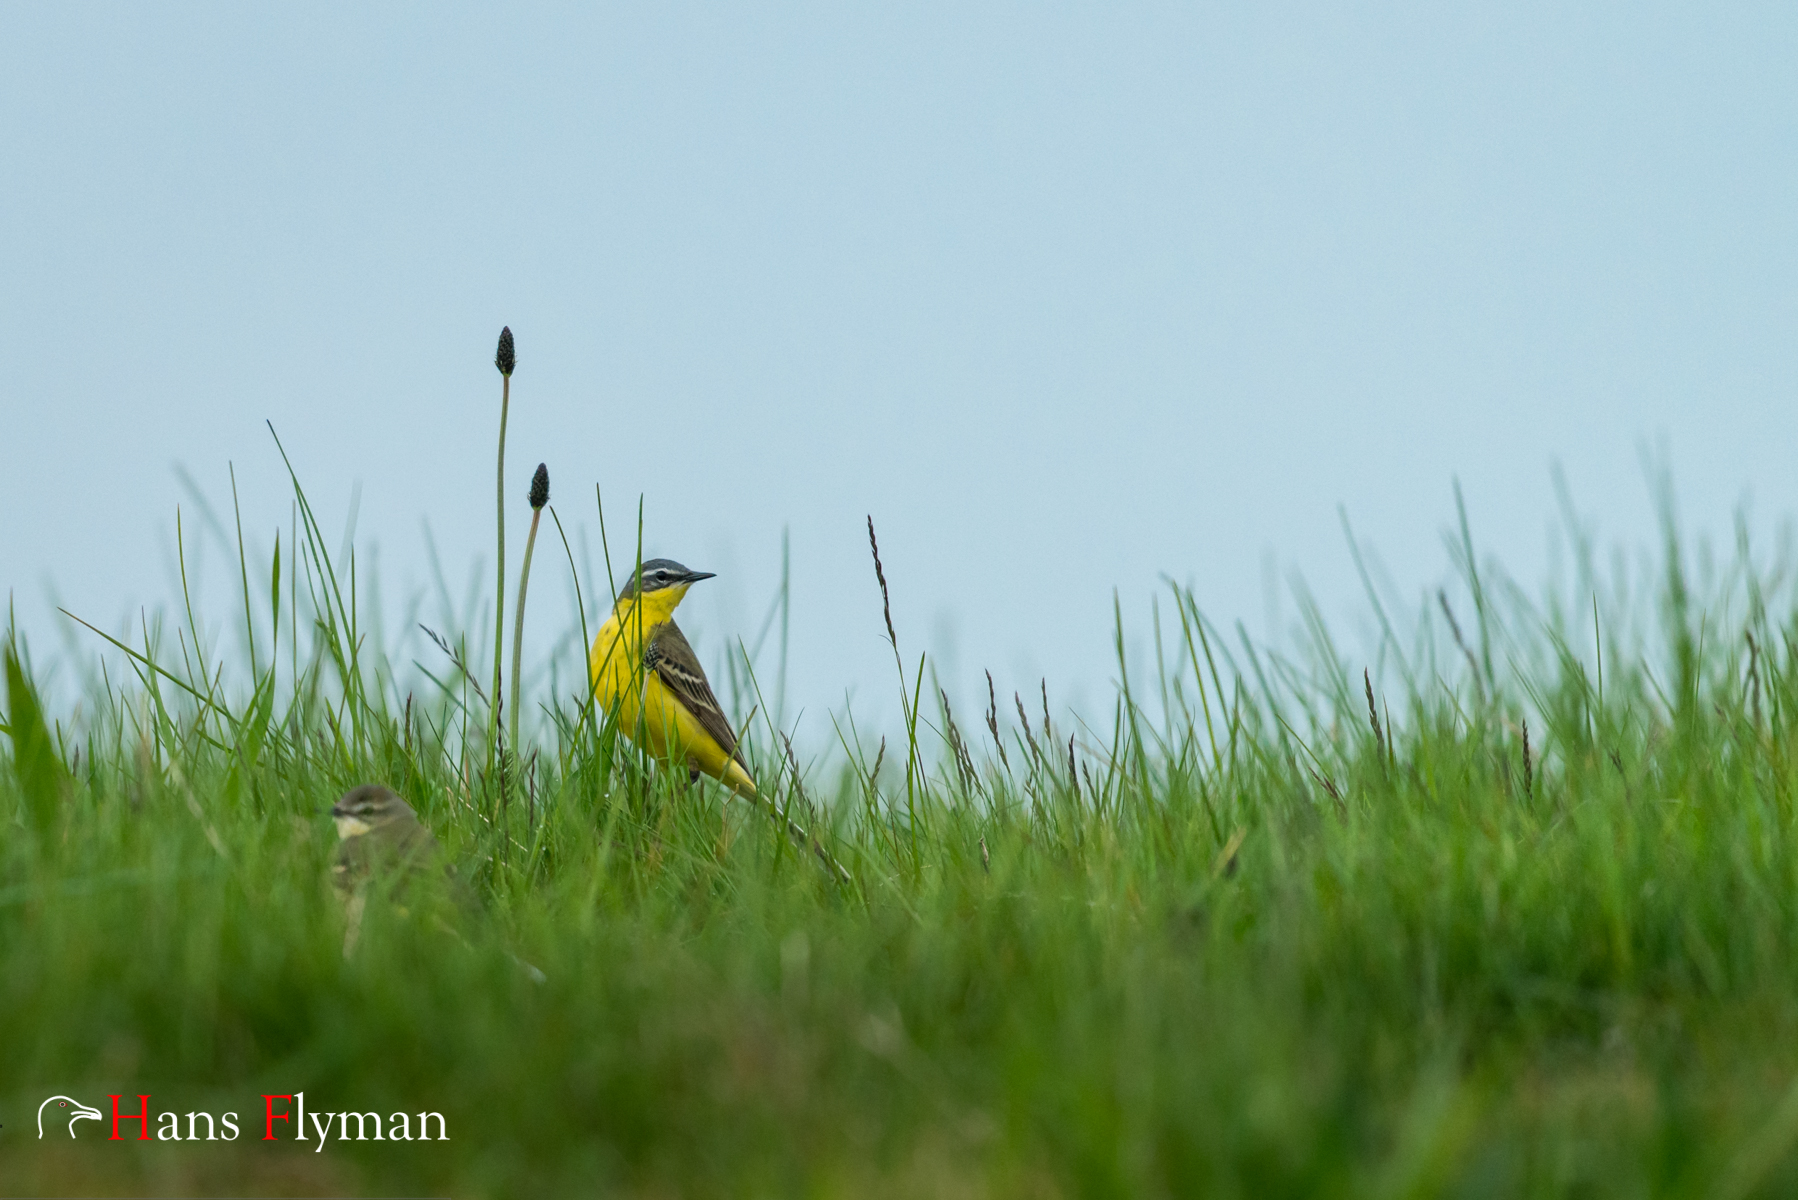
[[1276, 931]]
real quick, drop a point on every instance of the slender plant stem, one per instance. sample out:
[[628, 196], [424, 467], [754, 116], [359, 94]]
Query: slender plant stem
[[499, 592], [524, 583]]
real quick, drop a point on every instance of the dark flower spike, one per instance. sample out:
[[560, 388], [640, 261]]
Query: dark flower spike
[[507, 358], [540, 486]]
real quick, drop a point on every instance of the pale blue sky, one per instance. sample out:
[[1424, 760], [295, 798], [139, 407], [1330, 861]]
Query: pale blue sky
[[1065, 297]]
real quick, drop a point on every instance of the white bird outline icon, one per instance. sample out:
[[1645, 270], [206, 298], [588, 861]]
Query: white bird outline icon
[[82, 1113]]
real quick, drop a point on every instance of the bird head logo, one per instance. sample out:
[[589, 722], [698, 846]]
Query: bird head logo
[[76, 1110]]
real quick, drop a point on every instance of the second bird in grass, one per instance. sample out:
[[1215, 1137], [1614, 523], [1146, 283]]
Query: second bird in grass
[[378, 835], [377, 831], [382, 844], [647, 678]]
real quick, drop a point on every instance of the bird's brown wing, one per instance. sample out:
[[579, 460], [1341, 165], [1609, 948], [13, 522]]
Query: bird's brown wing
[[672, 659], [400, 846]]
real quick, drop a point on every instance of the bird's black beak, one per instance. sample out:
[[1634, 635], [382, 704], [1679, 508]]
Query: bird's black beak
[[696, 576]]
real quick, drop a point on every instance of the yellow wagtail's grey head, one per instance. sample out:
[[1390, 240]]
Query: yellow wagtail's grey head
[[660, 574], [368, 808]]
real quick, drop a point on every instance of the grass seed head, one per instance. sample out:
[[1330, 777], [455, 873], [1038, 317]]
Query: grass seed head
[[886, 604], [507, 358], [540, 486]]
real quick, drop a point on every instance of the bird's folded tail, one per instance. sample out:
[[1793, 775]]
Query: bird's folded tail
[[737, 779]]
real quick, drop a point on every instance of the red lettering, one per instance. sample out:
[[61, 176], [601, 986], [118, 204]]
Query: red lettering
[[141, 1116], [270, 1116]]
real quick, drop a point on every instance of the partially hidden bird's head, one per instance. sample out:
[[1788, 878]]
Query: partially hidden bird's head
[[660, 583], [367, 808]]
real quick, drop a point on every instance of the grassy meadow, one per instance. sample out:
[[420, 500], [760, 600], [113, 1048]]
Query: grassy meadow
[[1515, 913]]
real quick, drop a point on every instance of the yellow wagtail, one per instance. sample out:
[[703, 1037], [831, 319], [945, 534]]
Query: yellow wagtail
[[647, 677]]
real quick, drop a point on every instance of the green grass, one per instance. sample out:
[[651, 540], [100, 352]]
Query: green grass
[[1237, 948]]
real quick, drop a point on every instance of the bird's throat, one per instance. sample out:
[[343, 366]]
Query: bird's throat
[[349, 827]]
